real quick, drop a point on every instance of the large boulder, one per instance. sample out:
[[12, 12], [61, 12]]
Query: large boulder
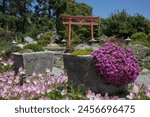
[[29, 40]]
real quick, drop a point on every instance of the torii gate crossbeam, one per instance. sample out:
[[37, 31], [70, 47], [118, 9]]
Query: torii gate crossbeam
[[70, 21]]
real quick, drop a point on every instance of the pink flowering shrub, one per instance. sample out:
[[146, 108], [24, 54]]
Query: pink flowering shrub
[[116, 64]]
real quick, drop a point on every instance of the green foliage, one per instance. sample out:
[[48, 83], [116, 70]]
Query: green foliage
[[141, 36], [6, 38], [145, 43], [34, 47], [66, 90], [117, 24], [9, 22], [148, 39], [82, 52], [45, 38], [75, 93], [75, 39], [5, 65], [121, 24]]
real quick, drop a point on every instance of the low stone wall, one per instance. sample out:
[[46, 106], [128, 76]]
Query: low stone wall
[[81, 72], [38, 61]]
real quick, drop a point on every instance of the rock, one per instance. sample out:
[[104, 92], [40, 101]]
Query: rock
[[38, 36], [38, 62], [140, 50], [103, 38], [30, 40], [17, 48], [143, 79], [82, 47], [20, 46], [57, 71], [33, 62], [81, 71], [95, 46], [145, 70], [54, 47]]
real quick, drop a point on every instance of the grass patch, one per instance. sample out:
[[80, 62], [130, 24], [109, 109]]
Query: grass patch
[[82, 52], [34, 47]]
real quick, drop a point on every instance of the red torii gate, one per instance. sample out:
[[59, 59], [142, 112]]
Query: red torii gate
[[71, 20]]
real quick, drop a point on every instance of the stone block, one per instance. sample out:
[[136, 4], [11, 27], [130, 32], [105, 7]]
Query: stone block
[[36, 61], [81, 72]]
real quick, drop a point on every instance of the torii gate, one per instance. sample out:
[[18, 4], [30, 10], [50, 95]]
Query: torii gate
[[71, 20]]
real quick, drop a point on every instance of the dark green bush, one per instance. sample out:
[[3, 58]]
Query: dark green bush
[[75, 39], [34, 47], [6, 38], [148, 38]]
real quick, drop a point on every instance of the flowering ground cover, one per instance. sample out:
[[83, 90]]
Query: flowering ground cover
[[46, 87]]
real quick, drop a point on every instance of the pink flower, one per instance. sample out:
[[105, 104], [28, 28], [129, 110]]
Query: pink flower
[[114, 98], [148, 94], [43, 98], [98, 97], [22, 71], [147, 91], [106, 97], [90, 95], [10, 62], [64, 92], [34, 74], [131, 96], [10, 81], [136, 88]]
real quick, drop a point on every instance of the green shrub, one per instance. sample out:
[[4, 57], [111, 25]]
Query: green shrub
[[6, 38], [45, 38], [140, 36], [148, 38], [75, 39], [34, 47], [82, 52]]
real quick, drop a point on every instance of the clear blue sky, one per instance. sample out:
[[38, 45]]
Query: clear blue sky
[[104, 8]]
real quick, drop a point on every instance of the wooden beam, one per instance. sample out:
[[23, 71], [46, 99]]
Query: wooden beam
[[81, 23], [79, 17]]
